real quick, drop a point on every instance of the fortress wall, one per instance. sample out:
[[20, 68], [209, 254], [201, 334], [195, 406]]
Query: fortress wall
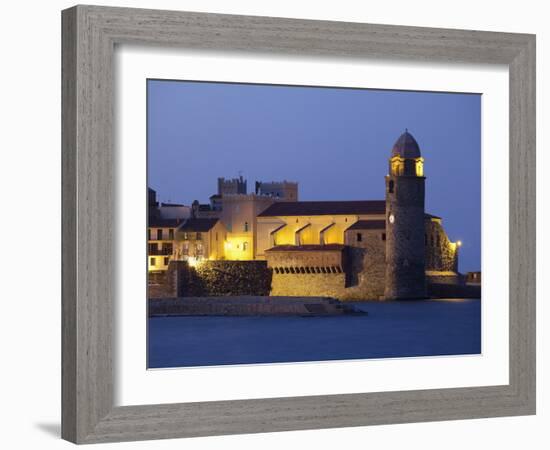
[[308, 285], [436, 277], [366, 266], [440, 252], [324, 285], [363, 277], [211, 278]]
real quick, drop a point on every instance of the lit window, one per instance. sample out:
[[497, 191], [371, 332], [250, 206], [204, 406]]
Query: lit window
[[419, 168], [185, 236]]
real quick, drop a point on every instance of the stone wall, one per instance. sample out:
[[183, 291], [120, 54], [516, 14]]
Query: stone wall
[[162, 284], [233, 278], [366, 266], [362, 280], [306, 285], [442, 277], [405, 254], [441, 254], [249, 306], [211, 278], [356, 273], [446, 290]]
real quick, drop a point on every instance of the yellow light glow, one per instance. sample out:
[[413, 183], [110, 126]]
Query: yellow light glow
[[419, 168], [238, 248], [459, 243], [193, 262]]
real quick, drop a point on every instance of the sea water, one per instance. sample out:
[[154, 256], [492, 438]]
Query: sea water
[[389, 330]]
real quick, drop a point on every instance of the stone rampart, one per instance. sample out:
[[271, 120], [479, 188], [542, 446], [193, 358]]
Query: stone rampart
[[211, 278]]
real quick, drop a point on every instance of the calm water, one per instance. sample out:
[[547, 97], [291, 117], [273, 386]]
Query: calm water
[[391, 329]]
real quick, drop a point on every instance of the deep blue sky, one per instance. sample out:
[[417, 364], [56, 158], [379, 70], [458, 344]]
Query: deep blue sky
[[334, 142]]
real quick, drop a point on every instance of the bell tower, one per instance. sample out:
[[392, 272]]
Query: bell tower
[[405, 246]]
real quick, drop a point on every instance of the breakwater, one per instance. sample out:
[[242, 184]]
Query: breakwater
[[249, 306]]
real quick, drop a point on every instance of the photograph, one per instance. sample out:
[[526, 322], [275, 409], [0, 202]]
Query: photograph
[[311, 223]]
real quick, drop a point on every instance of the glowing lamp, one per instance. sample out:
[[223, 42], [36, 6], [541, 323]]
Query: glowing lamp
[[459, 243]]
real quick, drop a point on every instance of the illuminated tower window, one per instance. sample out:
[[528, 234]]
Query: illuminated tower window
[[419, 167]]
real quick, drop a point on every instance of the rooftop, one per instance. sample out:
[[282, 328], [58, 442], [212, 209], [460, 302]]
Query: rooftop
[[368, 225], [306, 248], [159, 222], [406, 146], [198, 224], [321, 208]]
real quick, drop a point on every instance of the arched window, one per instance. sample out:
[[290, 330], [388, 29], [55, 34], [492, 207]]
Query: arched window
[[390, 186]]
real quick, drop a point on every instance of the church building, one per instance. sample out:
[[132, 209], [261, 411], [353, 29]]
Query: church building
[[351, 250], [378, 249]]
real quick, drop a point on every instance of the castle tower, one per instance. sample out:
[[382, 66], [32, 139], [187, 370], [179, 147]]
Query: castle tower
[[405, 246]]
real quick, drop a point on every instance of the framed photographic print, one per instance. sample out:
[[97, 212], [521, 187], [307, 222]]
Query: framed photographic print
[[279, 224]]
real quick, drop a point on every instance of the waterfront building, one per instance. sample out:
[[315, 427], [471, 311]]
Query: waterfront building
[[240, 216], [161, 234], [199, 239], [378, 249], [384, 249]]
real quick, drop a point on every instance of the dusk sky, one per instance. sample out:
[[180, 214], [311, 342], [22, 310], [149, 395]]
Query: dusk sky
[[334, 142]]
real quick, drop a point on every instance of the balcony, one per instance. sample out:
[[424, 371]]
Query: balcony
[[164, 251]]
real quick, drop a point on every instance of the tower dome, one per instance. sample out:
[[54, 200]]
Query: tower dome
[[406, 146]]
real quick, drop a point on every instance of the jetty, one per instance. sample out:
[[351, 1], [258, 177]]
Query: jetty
[[249, 306]]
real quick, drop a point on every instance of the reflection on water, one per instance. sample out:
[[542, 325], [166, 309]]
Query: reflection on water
[[391, 329]]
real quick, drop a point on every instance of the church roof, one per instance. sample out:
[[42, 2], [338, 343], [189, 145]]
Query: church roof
[[368, 225], [306, 248], [406, 146], [331, 208]]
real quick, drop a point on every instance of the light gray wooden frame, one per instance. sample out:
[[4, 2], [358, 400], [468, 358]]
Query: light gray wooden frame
[[89, 36]]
